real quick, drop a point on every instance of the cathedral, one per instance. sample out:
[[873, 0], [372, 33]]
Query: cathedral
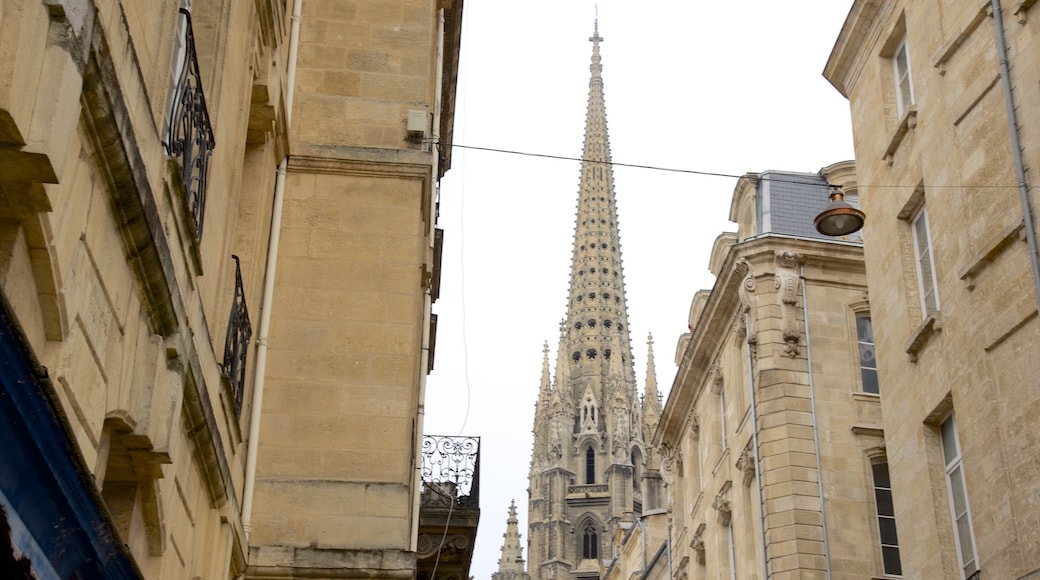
[[588, 475]]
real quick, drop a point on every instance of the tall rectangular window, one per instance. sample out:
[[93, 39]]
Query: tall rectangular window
[[867, 354], [903, 81], [925, 262], [958, 497], [886, 520], [722, 418]]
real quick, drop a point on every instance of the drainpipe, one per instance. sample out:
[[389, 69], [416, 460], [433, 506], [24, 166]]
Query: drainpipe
[[754, 445], [642, 529], [815, 428], [669, 544], [1016, 146], [268, 297], [424, 355]]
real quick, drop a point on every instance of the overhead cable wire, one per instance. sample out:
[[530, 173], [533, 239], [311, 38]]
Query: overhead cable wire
[[702, 173]]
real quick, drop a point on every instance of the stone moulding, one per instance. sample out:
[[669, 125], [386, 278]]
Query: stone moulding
[[931, 325]]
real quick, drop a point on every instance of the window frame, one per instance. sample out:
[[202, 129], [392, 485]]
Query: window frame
[[951, 466], [590, 465], [723, 440], [877, 512], [865, 315], [921, 215], [903, 102], [589, 542]]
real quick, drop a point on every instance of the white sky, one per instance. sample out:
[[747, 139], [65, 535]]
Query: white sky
[[720, 87]]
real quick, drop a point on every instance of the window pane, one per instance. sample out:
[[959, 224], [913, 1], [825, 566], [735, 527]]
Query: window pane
[[870, 381], [904, 93], [964, 535], [884, 502], [921, 233], [866, 355], [881, 478], [890, 556], [926, 271], [888, 531], [864, 329], [957, 491], [949, 440]]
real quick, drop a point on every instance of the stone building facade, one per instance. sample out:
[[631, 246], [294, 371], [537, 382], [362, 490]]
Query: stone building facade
[[588, 473], [946, 140], [157, 159], [771, 442]]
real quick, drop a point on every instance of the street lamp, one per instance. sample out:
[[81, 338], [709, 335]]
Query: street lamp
[[839, 218]]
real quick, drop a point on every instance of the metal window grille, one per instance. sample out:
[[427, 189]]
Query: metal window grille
[[191, 135], [236, 345]]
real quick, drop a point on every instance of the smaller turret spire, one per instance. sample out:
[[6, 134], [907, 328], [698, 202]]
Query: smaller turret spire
[[511, 564], [651, 398]]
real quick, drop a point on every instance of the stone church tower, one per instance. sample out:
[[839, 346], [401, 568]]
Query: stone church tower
[[588, 466]]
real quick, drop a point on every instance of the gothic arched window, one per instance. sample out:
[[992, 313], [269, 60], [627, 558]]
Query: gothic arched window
[[590, 466], [589, 542]]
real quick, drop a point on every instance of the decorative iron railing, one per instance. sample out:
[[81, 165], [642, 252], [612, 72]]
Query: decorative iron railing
[[451, 469], [191, 135], [236, 345]]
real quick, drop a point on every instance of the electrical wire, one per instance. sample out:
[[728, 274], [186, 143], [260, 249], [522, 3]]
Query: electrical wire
[[704, 173]]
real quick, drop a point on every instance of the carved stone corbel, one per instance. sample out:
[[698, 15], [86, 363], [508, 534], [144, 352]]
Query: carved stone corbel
[[715, 378], [746, 464], [695, 427], [786, 280], [697, 544], [680, 569], [722, 505]]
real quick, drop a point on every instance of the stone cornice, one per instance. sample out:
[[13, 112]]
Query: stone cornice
[[826, 262], [848, 56]]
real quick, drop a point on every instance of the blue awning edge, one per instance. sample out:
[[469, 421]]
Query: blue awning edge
[[44, 478]]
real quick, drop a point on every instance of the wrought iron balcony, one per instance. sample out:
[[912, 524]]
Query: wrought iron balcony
[[451, 470], [450, 511], [191, 135], [236, 345]]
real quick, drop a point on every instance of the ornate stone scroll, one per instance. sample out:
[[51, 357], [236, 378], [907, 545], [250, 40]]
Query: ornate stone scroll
[[746, 293]]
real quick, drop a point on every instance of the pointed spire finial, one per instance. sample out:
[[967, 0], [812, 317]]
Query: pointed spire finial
[[596, 67]]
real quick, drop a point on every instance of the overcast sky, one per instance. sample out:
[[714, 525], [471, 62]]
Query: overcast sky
[[717, 87]]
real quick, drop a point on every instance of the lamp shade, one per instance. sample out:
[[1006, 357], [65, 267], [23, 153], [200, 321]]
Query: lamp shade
[[839, 218]]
